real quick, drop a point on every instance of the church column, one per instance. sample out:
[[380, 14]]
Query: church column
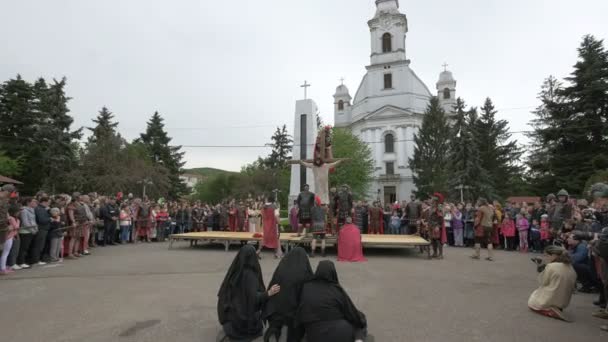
[[400, 146], [409, 136], [378, 146]]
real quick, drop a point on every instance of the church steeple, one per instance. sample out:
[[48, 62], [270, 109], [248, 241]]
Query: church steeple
[[387, 5], [446, 90], [388, 29]]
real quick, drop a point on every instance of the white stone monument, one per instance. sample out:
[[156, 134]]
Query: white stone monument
[[304, 137]]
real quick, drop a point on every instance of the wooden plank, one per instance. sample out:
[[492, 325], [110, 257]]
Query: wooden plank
[[366, 239]]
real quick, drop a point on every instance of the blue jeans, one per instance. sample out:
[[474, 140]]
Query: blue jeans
[[395, 230], [125, 233]]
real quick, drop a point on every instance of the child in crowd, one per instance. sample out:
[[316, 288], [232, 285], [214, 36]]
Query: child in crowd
[[523, 227], [56, 235], [125, 223], [13, 228], [507, 229], [395, 225], [161, 223], [545, 231], [535, 237]]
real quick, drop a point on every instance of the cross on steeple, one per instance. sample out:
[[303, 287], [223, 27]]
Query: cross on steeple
[[445, 66], [342, 81], [305, 86]]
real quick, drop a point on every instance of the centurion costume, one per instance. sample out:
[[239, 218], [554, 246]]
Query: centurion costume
[[305, 202], [344, 205]]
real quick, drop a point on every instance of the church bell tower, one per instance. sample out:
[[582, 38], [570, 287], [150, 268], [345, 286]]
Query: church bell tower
[[388, 29]]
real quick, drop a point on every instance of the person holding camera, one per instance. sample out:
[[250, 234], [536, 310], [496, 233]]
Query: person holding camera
[[557, 282]]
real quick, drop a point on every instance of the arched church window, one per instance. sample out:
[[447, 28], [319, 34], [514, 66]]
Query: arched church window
[[386, 43], [388, 81], [340, 105], [389, 143], [446, 93]]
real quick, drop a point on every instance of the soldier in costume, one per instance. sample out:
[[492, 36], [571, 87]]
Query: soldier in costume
[[331, 210], [436, 226], [344, 205], [423, 230], [318, 229], [560, 212], [376, 219], [305, 202]]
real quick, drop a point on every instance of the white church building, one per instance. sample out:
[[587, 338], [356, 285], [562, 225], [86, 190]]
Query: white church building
[[388, 107]]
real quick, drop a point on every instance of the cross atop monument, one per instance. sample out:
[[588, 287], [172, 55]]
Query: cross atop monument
[[445, 66], [305, 86], [342, 81]]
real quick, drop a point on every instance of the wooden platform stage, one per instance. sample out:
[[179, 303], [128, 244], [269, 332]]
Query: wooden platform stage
[[291, 239]]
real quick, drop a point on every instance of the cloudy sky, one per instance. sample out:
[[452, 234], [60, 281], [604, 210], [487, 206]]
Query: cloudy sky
[[228, 72]]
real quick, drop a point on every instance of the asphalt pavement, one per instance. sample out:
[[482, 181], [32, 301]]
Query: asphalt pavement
[[147, 292]]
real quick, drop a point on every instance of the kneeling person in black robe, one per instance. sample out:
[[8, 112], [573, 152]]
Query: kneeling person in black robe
[[326, 312], [293, 271], [242, 296]]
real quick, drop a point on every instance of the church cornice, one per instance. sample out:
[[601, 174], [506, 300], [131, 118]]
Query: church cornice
[[405, 62], [388, 53]]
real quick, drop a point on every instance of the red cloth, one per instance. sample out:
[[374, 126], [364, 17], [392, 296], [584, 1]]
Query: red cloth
[[349, 244], [269, 222]]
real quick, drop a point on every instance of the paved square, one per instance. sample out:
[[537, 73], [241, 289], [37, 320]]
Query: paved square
[[147, 292]]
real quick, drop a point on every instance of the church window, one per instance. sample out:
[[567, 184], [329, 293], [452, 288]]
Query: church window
[[388, 81], [340, 105], [386, 43], [390, 168], [446, 93], [389, 143]]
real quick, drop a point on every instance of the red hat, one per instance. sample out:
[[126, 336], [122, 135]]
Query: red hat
[[318, 200]]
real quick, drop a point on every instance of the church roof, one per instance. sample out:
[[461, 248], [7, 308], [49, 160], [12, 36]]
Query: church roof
[[342, 90], [446, 77]]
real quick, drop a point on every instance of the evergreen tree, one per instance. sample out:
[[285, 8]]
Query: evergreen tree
[[281, 149], [161, 152], [430, 162], [571, 122], [59, 157], [102, 161], [465, 165], [498, 155], [35, 130]]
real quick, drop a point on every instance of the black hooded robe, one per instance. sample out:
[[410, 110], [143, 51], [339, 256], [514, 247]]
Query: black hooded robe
[[241, 297], [326, 311], [291, 273]]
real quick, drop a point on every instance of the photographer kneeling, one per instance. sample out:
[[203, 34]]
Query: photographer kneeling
[[557, 284], [579, 254]]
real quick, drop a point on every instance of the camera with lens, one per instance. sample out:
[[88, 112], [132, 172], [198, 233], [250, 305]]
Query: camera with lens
[[540, 265]]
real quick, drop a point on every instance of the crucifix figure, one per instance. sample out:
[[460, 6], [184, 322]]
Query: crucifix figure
[[322, 162], [305, 86], [445, 66]]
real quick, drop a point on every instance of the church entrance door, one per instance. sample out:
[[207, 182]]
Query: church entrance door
[[390, 194]]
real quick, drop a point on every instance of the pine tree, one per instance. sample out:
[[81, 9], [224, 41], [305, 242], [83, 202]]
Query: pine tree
[[59, 158], [430, 162], [498, 154], [570, 130], [104, 128], [465, 166], [281, 149], [161, 152]]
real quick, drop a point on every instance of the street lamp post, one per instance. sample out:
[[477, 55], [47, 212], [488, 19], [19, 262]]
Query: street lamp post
[[462, 187], [145, 182]]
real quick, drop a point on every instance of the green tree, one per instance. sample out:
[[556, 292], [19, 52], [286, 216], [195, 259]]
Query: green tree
[[430, 162], [218, 188], [161, 152], [464, 164], [281, 149], [9, 167], [498, 154], [572, 125], [36, 130], [358, 171]]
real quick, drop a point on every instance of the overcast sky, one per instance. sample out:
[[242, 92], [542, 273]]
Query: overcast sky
[[228, 72]]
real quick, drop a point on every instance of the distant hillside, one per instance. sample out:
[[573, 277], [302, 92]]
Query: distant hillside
[[206, 171]]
